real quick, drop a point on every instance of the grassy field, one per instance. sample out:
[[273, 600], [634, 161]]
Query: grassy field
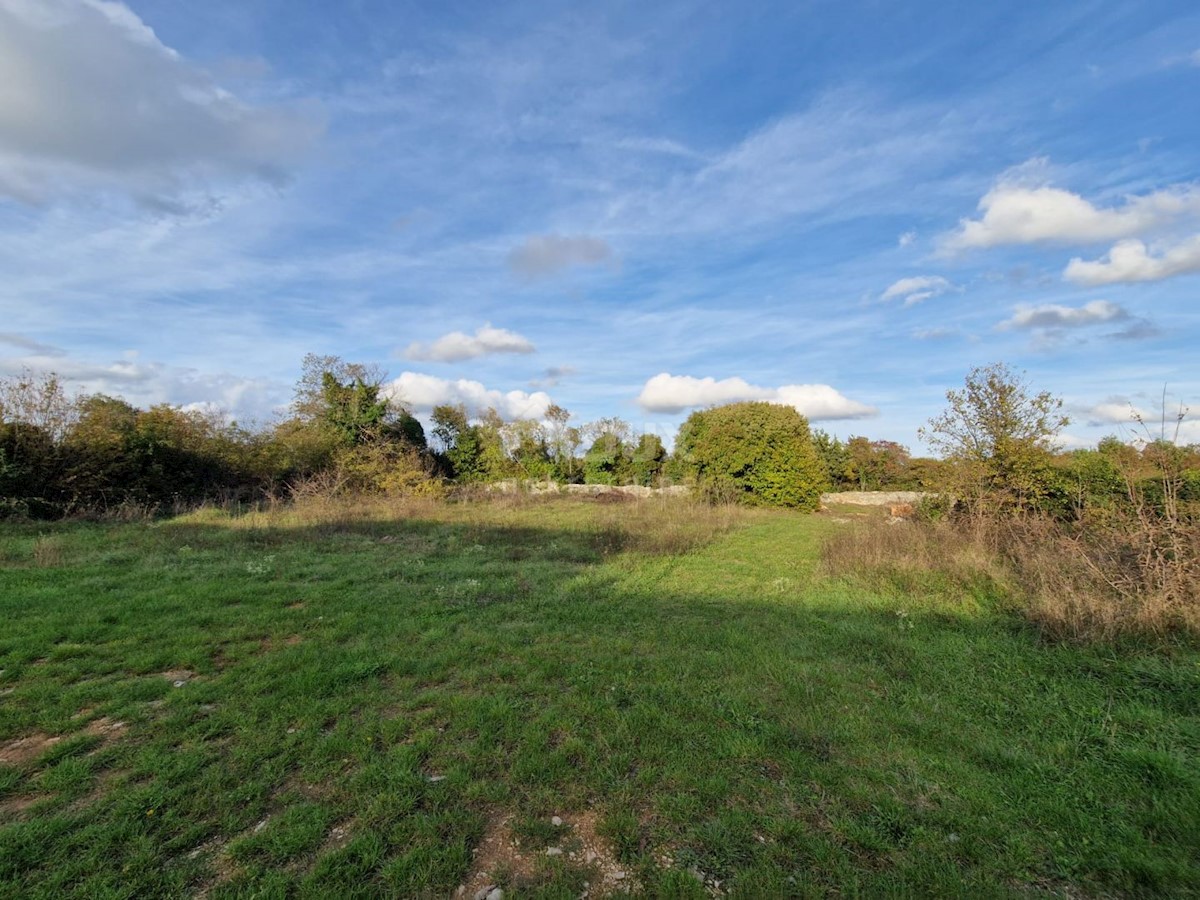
[[560, 697]]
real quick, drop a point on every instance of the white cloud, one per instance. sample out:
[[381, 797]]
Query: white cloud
[[668, 393], [547, 254], [914, 290], [1071, 442], [457, 346], [91, 99], [145, 383], [1053, 315], [1132, 261], [906, 239], [423, 392], [1114, 411], [1016, 213]]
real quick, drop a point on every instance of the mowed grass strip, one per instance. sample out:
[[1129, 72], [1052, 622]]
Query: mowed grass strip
[[380, 701]]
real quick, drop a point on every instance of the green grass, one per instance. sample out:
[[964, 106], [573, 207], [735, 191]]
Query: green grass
[[365, 697]]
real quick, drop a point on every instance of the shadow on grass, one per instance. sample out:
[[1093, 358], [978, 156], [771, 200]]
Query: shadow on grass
[[408, 681]]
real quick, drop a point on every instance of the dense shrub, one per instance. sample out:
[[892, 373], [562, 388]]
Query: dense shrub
[[755, 453]]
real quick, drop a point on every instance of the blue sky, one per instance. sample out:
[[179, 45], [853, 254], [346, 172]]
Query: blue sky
[[627, 209]]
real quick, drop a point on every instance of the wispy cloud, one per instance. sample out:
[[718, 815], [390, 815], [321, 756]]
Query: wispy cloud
[[549, 254], [914, 290], [553, 376], [668, 393], [37, 348], [457, 346], [938, 333]]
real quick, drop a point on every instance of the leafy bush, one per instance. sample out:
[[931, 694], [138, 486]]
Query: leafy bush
[[756, 453]]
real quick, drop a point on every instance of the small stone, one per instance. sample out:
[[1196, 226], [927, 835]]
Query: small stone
[[180, 683], [482, 893], [496, 894], [556, 821], [436, 778], [291, 731], [590, 857], [618, 876], [260, 826], [554, 851]]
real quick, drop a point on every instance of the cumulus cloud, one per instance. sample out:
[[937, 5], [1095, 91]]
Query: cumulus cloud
[[548, 254], [914, 290], [457, 346], [423, 392], [1052, 315], [1131, 261], [1015, 213], [906, 239], [668, 393], [91, 99]]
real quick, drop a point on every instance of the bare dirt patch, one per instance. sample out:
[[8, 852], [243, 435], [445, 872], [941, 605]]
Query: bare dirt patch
[[596, 854], [498, 857], [224, 869], [273, 643], [26, 749], [14, 806], [106, 729], [337, 837], [501, 858]]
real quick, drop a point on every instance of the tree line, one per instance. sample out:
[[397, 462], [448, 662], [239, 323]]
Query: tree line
[[62, 454]]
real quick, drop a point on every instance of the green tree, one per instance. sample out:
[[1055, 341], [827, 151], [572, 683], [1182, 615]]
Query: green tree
[[1000, 437], [647, 459], [529, 449], [563, 440], [606, 461], [834, 457], [756, 453]]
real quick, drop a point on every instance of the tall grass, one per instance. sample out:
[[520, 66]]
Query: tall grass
[[661, 525], [1131, 574]]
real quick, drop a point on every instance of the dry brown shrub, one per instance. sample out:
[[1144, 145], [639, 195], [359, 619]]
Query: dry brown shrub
[[48, 551], [1135, 575]]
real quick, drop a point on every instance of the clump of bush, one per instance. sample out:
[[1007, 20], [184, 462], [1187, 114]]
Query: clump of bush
[[1094, 545], [761, 454]]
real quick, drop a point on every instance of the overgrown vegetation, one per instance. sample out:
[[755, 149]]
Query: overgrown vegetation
[[351, 696], [1092, 545], [756, 453]]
